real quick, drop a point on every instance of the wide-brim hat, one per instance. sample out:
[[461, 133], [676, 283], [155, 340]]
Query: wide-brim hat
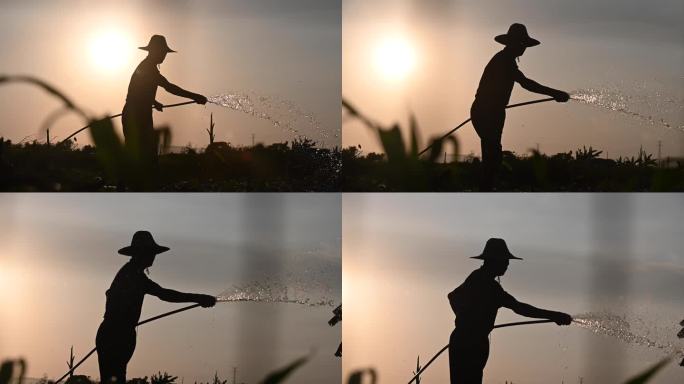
[[496, 249], [517, 35], [157, 43], [142, 243]]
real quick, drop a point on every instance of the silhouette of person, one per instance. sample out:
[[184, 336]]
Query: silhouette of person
[[334, 320], [488, 112], [116, 335], [138, 130], [475, 304]]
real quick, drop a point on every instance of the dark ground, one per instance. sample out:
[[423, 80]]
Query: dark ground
[[581, 171], [297, 166]]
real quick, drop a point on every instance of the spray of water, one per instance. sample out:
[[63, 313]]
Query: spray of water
[[271, 291], [646, 107], [281, 113], [619, 327]]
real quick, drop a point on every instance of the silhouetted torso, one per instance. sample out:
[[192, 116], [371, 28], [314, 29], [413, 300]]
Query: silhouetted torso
[[125, 296], [476, 303], [497, 81], [142, 89]]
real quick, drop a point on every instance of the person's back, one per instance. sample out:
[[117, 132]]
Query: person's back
[[496, 83], [125, 297], [476, 303], [142, 88]]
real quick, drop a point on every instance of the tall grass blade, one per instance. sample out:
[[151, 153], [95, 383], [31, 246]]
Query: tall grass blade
[[645, 376], [280, 375]]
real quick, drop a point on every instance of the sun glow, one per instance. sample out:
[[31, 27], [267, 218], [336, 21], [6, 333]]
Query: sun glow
[[395, 58], [111, 50]]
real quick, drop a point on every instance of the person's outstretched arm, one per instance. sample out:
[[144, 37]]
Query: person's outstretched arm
[[535, 87], [528, 310], [178, 91], [180, 297]]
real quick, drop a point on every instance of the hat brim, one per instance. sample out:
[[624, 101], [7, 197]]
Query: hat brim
[[148, 49], [484, 257], [134, 251], [506, 40]]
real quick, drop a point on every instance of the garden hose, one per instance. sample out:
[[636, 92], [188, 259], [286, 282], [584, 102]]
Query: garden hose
[[140, 323], [117, 115], [496, 326], [465, 122]]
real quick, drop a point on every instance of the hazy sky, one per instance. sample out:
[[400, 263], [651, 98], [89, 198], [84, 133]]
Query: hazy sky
[[630, 48], [58, 256], [267, 48], [620, 253]]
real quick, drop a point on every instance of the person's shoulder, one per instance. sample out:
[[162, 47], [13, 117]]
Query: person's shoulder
[[500, 60], [146, 67], [126, 268], [124, 273], [475, 277]]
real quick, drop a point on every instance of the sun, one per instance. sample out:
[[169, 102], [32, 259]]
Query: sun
[[395, 58], [111, 50]]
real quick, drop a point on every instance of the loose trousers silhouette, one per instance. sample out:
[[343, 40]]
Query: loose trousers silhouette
[[467, 358], [141, 140], [115, 346], [489, 126]]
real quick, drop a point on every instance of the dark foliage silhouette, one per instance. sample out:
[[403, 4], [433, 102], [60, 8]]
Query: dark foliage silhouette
[[291, 166]]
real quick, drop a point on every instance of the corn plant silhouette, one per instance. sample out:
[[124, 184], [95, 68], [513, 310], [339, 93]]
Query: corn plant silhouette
[[416, 373], [70, 362], [210, 130], [406, 170], [118, 162]]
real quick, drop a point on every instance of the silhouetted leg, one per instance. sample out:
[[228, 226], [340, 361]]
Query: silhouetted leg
[[489, 164], [114, 351], [489, 126], [141, 147], [148, 159], [467, 359]]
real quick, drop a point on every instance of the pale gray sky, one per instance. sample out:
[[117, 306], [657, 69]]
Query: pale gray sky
[[402, 254], [58, 256]]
